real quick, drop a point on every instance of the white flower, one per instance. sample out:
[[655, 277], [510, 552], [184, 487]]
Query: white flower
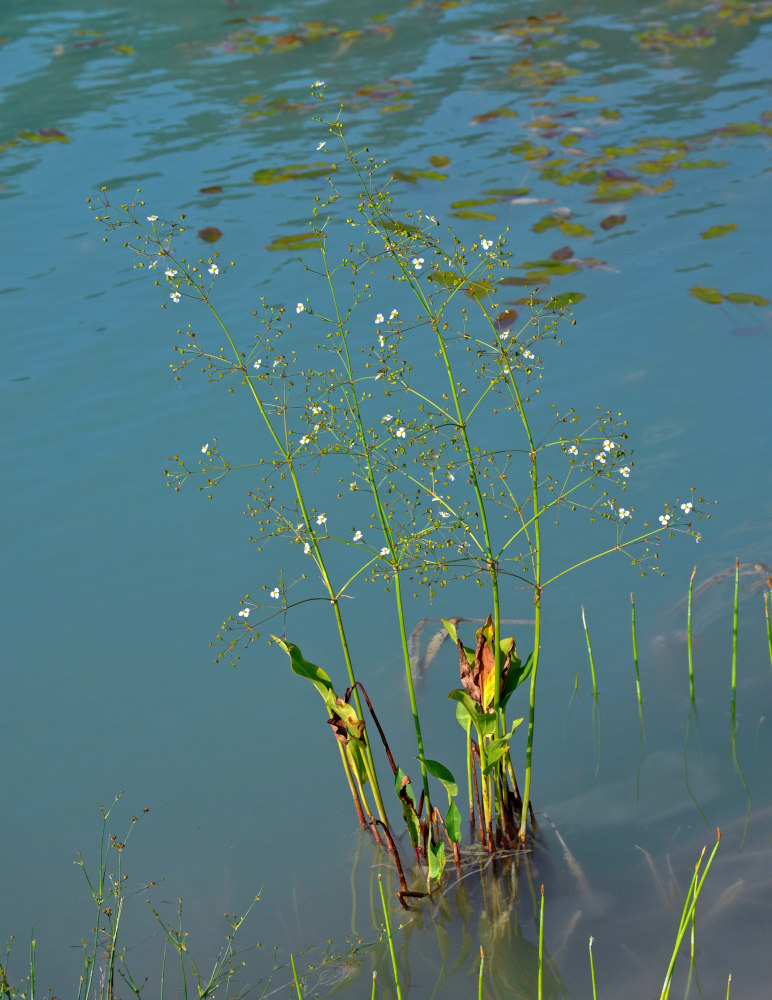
[[663, 519], [451, 477], [316, 409], [305, 439], [213, 269], [152, 265], [486, 244], [385, 551], [381, 341], [379, 318], [393, 314], [318, 83], [307, 548], [244, 613], [697, 537], [205, 448], [527, 354], [444, 513], [400, 432], [321, 519], [418, 263], [357, 536], [624, 513], [169, 273], [257, 363], [320, 145], [625, 472], [386, 418], [299, 308], [152, 218], [608, 445], [175, 296], [432, 219], [275, 594], [600, 457], [573, 450], [353, 486], [504, 334], [687, 507]]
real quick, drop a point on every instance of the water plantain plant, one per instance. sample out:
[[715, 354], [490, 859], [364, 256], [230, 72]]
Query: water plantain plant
[[426, 412]]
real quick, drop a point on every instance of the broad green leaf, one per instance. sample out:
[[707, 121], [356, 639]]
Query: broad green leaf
[[469, 213], [741, 298], [436, 860], [299, 241], [441, 773], [714, 231], [448, 279], [710, 295], [518, 672], [292, 171], [453, 823], [303, 668], [354, 751], [566, 299]]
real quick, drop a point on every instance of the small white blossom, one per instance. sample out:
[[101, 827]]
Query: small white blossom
[[663, 519], [486, 244], [214, 269], [623, 513], [697, 537], [393, 314], [609, 445], [305, 439], [385, 551], [418, 263], [320, 145], [357, 536], [316, 427], [321, 519], [381, 341], [205, 448], [175, 296], [625, 472], [386, 418], [275, 594], [169, 273], [152, 265], [152, 218], [451, 477], [257, 363], [353, 486], [307, 548], [400, 432], [379, 318], [527, 354], [504, 334], [316, 409], [687, 507], [432, 219], [244, 613], [299, 308], [573, 450], [600, 457], [318, 83], [444, 513]]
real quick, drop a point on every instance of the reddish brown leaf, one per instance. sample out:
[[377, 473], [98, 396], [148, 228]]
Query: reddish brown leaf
[[210, 234], [505, 320], [214, 189], [613, 220], [562, 253]]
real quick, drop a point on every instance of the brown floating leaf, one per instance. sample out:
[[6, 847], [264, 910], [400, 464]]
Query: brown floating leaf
[[562, 253], [210, 234], [613, 220], [214, 189], [504, 320]]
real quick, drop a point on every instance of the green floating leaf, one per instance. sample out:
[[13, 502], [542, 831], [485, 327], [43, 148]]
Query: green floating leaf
[[292, 171], [740, 298], [566, 299], [43, 135], [704, 294], [466, 213], [612, 220], [496, 113], [412, 176], [714, 231], [439, 161], [298, 241], [474, 202], [126, 50]]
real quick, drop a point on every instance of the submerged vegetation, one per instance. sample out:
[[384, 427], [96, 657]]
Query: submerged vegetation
[[426, 412]]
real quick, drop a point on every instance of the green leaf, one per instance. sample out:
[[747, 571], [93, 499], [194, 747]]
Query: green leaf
[[448, 279], [750, 300], [298, 241], [441, 773], [292, 171], [453, 823], [704, 294], [303, 668], [714, 231], [436, 860], [354, 751], [566, 299], [518, 673]]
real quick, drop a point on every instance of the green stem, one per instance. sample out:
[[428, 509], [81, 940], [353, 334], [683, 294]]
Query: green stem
[[689, 635]]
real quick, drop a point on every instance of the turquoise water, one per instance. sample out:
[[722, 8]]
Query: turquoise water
[[115, 585]]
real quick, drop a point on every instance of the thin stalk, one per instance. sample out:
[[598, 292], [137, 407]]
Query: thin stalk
[[387, 921], [592, 973], [689, 634], [480, 975], [769, 626], [728, 985], [541, 943], [375, 976], [734, 641], [635, 655], [589, 653], [296, 978]]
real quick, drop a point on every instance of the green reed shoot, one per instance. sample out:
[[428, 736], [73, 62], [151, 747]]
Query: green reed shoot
[[767, 594], [589, 653], [735, 610], [689, 634], [592, 972], [541, 944], [635, 654], [481, 975], [295, 979], [390, 938], [424, 444]]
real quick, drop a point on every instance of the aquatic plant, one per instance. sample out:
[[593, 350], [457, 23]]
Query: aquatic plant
[[428, 414]]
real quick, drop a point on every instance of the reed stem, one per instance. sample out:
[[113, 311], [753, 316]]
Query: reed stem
[[589, 653], [689, 635]]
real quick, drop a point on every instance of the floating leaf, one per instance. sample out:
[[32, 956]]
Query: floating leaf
[[715, 231], [698, 164], [298, 241], [214, 189], [496, 113], [126, 50], [412, 176], [710, 295], [566, 299], [612, 220], [740, 298], [210, 234], [467, 213], [293, 171], [43, 135], [505, 319], [439, 161]]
